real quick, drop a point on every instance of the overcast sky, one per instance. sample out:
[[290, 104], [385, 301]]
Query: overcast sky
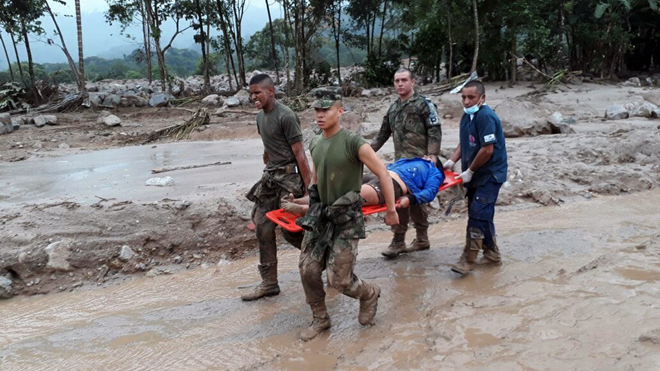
[[101, 39]]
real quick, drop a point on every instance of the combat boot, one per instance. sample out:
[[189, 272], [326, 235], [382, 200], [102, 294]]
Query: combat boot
[[396, 247], [320, 323], [421, 242], [473, 244], [369, 306], [491, 254], [268, 285]]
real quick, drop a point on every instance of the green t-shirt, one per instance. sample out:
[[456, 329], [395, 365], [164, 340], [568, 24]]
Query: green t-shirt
[[279, 129], [337, 164]]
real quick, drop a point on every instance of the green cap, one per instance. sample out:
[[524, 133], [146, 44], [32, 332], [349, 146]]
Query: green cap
[[326, 96]]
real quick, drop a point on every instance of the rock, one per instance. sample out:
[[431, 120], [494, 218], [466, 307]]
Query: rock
[[378, 92], [633, 81], [556, 118], [243, 96], [651, 337], [6, 125], [107, 119], [656, 113], [368, 130], [640, 109], [222, 262], [365, 93], [95, 99], [42, 120], [64, 146], [5, 287], [212, 100], [160, 182], [232, 102], [91, 87], [177, 259], [111, 101], [159, 100], [58, 255], [616, 112], [126, 253], [652, 96], [158, 271]]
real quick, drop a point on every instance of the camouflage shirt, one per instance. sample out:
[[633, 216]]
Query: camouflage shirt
[[415, 127]]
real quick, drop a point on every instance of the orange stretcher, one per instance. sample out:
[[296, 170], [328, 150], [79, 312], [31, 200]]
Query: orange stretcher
[[287, 220]]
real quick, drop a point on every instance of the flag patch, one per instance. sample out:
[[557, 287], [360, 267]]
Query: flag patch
[[489, 138]]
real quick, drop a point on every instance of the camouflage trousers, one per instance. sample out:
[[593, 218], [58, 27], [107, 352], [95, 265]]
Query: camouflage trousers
[[265, 229], [339, 262], [417, 213]]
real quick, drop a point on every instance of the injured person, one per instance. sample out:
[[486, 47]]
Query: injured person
[[415, 181]]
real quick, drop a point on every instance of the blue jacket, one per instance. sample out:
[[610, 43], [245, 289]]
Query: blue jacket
[[421, 177]]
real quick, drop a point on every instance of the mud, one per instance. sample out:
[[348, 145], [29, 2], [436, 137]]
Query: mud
[[577, 291]]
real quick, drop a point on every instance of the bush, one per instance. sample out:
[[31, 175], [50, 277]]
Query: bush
[[132, 74], [380, 71]]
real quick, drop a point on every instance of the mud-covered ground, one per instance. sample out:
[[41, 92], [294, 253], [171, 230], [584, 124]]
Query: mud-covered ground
[[73, 196]]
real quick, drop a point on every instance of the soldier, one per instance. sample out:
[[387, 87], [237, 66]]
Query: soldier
[[413, 123], [334, 222], [287, 171], [482, 152]]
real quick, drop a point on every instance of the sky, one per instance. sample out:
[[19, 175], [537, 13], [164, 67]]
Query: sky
[[101, 39]]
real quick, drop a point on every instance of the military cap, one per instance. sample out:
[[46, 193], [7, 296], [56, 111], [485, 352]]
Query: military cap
[[326, 96]]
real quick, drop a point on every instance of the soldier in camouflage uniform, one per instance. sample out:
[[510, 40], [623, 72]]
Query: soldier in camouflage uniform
[[286, 172], [334, 222], [413, 123]]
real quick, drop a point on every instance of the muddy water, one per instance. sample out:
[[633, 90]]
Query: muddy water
[[578, 291]]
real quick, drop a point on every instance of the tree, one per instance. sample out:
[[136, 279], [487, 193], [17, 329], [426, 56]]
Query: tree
[[272, 43], [11, 71], [76, 73], [81, 57]]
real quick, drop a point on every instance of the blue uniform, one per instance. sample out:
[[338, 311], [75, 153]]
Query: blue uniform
[[482, 129], [421, 177]]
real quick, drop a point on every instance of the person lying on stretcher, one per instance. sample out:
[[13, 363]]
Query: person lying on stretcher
[[416, 181]]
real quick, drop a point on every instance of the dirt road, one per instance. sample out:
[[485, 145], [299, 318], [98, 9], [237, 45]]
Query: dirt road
[[578, 291]]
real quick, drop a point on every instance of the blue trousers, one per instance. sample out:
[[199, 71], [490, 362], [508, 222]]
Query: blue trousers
[[481, 205]]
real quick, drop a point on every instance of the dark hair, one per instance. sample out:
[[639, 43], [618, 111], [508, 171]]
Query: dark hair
[[261, 78], [405, 69], [478, 84]]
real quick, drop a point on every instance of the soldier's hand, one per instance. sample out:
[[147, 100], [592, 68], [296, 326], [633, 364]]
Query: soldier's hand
[[449, 165], [391, 218]]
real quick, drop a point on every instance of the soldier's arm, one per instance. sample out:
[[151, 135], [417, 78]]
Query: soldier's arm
[[433, 128], [303, 165], [383, 135]]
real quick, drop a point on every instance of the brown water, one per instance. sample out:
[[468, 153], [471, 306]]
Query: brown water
[[578, 287]]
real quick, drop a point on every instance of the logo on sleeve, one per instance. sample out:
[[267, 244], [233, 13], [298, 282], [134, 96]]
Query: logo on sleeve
[[433, 116], [473, 141], [490, 138]]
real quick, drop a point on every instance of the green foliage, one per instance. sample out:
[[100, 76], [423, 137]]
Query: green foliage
[[12, 96], [380, 71], [133, 74]]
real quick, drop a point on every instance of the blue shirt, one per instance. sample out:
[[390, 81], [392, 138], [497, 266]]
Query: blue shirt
[[482, 129], [421, 177]]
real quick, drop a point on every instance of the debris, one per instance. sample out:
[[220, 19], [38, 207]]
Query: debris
[[6, 125], [166, 169], [58, 255], [633, 81], [42, 120], [159, 100], [212, 100], [617, 112], [160, 182], [232, 102], [126, 253], [107, 119], [5, 287], [180, 131]]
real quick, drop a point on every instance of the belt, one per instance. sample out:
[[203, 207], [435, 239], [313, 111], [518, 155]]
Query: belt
[[288, 169]]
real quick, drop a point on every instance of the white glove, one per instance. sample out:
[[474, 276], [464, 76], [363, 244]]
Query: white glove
[[466, 175], [448, 165]]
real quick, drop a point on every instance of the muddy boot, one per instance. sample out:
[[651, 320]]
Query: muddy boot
[[396, 247], [421, 242], [473, 245], [369, 306], [491, 254], [320, 323], [268, 285]]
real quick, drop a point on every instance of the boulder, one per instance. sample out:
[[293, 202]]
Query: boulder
[[633, 81], [365, 93], [212, 100], [617, 112], [160, 182], [111, 101], [91, 87], [159, 100], [232, 102], [652, 96], [107, 119], [42, 120], [133, 100], [368, 130], [640, 108], [95, 99], [58, 255], [556, 118], [521, 119], [378, 92], [126, 253], [5, 287], [243, 96], [6, 125]]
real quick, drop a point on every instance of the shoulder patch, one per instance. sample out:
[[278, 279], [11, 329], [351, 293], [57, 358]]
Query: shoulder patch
[[433, 119], [490, 138]]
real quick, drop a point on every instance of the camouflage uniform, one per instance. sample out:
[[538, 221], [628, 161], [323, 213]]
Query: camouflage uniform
[[279, 130], [334, 224], [416, 131]]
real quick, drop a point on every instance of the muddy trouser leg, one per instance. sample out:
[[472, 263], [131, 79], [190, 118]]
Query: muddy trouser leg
[[481, 204], [340, 264], [420, 216], [404, 218], [265, 229], [294, 239], [311, 271]]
